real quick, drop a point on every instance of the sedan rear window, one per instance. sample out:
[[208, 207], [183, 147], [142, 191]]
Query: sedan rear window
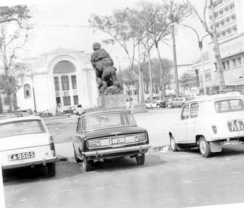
[[21, 127], [107, 121], [225, 106]]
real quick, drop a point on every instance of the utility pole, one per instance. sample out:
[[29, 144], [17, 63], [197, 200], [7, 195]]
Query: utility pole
[[33, 90], [150, 75], [217, 51], [175, 62]]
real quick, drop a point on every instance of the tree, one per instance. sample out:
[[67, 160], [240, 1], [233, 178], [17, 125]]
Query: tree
[[14, 26], [122, 28], [188, 81], [213, 34], [157, 74], [17, 14], [157, 19]]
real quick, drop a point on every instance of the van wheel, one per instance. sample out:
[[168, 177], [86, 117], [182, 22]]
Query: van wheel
[[204, 147], [140, 159], [173, 146], [51, 169]]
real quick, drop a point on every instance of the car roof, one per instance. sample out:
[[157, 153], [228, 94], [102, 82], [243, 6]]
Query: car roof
[[104, 111], [7, 120], [216, 97]]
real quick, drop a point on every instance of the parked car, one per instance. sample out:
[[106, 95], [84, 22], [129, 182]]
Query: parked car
[[178, 102], [26, 142], [109, 134], [209, 122], [155, 104], [22, 112]]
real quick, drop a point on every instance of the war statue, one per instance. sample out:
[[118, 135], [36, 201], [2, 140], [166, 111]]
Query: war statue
[[105, 71]]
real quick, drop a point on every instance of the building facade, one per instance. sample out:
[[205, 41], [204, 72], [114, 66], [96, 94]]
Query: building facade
[[61, 76], [229, 22]]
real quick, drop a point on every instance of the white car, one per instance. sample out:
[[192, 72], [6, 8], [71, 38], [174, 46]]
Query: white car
[[26, 142], [209, 122], [155, 104]]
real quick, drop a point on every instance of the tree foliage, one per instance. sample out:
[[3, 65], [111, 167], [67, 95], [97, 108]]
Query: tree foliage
[[140, 28], [157, 74], [14, 26], [17, 14], [188, 81]]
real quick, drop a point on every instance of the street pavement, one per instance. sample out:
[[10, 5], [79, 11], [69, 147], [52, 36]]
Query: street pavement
[[156, 121], [167, 179]]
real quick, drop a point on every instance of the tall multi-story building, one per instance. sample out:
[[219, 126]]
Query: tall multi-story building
[[229, 23]]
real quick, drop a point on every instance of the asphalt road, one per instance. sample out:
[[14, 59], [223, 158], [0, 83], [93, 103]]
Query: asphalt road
[[168, 179]]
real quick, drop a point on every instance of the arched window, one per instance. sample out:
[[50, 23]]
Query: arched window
[[27, 91], [64, 67]]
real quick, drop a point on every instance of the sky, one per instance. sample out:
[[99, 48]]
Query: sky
[[64, 23]]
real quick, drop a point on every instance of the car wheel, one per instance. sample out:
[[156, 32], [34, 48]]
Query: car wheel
[[51, 169], [76, 158], [173, 146], [86, 165], [140, 159], [204, 147]]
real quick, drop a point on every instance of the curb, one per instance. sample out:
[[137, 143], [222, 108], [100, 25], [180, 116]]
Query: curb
[[157, 148]]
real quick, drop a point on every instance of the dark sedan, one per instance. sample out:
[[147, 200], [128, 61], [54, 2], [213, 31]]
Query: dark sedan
[[109, 134]]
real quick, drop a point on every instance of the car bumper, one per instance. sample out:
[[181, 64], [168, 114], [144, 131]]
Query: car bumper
[[26, 164], [98, 153]]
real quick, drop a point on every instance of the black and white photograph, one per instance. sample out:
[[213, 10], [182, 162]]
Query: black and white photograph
[[121, 103]]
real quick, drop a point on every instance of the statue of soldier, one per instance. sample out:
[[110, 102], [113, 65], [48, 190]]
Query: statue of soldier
[[105, 71]]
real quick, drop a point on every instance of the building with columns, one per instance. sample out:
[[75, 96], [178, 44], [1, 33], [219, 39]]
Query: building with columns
[[62, 76]]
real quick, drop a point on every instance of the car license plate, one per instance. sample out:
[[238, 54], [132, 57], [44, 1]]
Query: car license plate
[[117, 140], [21, 156], [236, 125]]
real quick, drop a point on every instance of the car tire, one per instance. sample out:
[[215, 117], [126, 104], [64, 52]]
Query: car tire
[[140, 159], [204, 147], [173, 146], [76, 158], [51, 169], [86, 165]]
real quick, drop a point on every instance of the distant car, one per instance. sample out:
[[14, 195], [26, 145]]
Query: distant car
[[26, 142], [109, 134], [155, 104], [178, 102], [209, 122]]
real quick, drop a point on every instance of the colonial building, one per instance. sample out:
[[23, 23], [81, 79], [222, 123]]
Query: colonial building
[[61, 76]]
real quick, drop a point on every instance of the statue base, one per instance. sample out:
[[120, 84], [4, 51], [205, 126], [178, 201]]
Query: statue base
[[111, 101]]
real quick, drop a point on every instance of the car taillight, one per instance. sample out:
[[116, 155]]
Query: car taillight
[[140, 137], [94, 143], [52, 147], [214, 129]]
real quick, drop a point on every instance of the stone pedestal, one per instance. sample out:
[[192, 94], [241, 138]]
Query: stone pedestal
[[112, 101]]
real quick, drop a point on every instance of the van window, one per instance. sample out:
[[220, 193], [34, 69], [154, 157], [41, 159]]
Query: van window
[[194, 110], [185, 113], [225, 106]]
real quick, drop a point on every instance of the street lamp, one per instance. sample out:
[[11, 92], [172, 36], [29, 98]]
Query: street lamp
[[200, 45]]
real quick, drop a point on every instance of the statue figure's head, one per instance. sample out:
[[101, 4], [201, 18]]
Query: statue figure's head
[[96, 46]]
